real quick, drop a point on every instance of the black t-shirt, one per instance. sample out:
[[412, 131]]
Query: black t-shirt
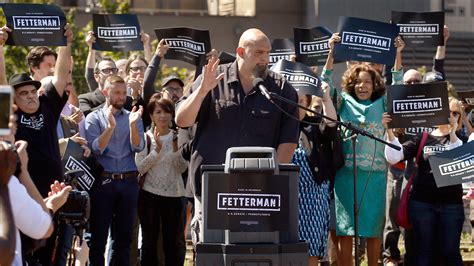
[[424, 185], [39, 130]]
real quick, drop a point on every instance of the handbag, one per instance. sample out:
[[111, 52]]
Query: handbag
[[402, 211], [141, 177]]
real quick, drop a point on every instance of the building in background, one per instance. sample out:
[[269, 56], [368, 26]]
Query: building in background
[[227, 19]]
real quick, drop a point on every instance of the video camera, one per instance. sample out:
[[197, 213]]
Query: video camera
[[76, 210]]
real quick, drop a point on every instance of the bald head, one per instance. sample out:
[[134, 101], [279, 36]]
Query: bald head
[[412, 76], [253, 54], [252, 36]]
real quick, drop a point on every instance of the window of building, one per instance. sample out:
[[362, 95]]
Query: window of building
[[245, 8]]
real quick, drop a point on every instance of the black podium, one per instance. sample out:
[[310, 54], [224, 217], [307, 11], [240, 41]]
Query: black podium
[[250, 211]]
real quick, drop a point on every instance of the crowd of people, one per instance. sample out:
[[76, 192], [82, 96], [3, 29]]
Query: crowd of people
[[150, 143]]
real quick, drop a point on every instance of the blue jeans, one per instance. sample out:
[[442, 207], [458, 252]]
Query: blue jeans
[[116, 200], [437, 232]]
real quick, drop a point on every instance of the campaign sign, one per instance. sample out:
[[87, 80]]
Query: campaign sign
[[453, 167], [73, 159], [466, 96], [311, 45], [300, 77], [116, 32], [420, 29], [250, 202], [418, 105], [281, 49], [35, 25], [186, 44], [366, 40]]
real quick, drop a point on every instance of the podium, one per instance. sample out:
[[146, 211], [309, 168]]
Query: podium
[[250, 211]]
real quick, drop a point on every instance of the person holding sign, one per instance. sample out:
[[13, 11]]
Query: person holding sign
[[350, 106], [362, 103], [437, 214], [317, 171], [413, 76], [217, 101]]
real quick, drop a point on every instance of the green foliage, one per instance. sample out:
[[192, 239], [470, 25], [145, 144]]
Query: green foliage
[[115, 7], [15, 56]]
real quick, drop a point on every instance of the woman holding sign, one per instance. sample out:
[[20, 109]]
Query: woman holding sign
[[436, 214], [361, 103]]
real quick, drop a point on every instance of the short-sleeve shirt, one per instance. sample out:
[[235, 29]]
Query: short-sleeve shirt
[[424, 185], [39, 130], [229, 118]]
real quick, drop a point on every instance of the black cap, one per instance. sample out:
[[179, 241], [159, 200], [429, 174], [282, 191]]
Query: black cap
[[171, 78], [433, 76], [23, 79]]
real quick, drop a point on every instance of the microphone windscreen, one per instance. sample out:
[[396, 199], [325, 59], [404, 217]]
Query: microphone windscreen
[[257, 81]]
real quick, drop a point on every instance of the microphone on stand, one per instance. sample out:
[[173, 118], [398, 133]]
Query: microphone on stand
[[258, 82]]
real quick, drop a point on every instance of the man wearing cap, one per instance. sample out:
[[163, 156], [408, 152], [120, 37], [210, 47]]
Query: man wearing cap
[[172, 88]]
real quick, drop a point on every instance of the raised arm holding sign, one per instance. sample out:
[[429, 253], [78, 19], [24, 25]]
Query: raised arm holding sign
[[117, 32], [186, 44], [311, 45], [35, 24], [420, 29], [365, 40]]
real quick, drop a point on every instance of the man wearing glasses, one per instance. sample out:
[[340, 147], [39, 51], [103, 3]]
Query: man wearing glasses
[[172, 88], [91, 101]]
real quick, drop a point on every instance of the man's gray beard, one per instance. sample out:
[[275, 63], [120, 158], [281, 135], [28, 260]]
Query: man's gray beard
[[260, 71]]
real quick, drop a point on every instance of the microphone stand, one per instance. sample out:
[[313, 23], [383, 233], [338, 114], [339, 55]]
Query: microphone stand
[[356, 131]]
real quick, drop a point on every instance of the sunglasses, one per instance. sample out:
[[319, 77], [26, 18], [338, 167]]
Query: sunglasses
[[139, 68], [108, 71], [173, 90]]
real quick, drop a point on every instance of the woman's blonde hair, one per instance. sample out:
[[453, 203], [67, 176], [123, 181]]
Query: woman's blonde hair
[[455, 105]]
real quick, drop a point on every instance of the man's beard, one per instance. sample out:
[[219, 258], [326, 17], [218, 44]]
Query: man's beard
[[117, 106], [260, 71]]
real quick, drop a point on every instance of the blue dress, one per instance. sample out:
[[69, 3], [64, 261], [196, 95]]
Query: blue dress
[[313, 206]]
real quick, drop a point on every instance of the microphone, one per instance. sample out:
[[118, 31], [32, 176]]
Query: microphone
[[258, 82]]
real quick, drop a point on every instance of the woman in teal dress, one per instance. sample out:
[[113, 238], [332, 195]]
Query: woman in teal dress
[[362, 103]]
